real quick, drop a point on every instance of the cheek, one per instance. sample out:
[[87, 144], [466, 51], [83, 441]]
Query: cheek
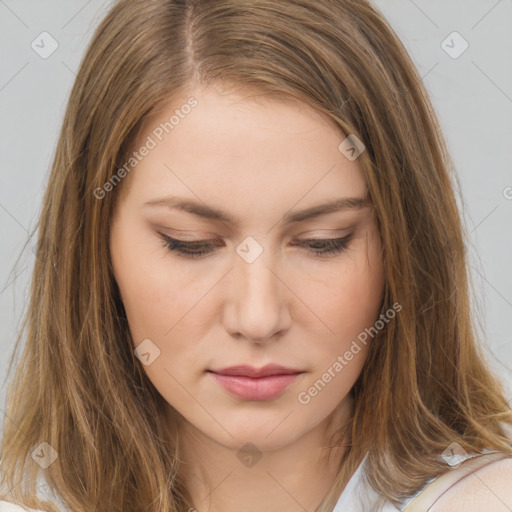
[[349, 298], [349, 304], [163, 304], [157, 294]]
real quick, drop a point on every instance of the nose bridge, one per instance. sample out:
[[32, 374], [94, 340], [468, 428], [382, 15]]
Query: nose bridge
[[258, 301], [258, 282]]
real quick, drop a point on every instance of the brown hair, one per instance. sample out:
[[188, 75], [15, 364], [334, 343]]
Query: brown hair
[[78, 385]]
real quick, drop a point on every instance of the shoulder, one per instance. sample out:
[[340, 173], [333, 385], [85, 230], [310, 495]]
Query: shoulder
[[488, 488]]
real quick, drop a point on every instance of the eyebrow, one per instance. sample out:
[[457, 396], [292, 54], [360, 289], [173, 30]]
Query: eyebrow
[[205, 211]]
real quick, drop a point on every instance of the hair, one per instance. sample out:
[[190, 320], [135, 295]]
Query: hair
[[78, 385]]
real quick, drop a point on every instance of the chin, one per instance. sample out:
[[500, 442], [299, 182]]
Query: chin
[[266, 433]]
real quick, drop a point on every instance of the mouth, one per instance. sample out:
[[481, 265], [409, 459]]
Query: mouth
[[249, 383], [250, 371]]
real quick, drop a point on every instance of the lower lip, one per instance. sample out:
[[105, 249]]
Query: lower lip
[[262, 388]]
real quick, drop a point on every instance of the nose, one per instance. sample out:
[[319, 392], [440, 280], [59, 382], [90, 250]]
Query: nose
[[258, 305]]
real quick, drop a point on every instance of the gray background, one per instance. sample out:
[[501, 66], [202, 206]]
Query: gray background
[[472, 95]]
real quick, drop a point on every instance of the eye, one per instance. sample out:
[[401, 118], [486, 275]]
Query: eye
[[188, 249], [196, 249], [327, 246]]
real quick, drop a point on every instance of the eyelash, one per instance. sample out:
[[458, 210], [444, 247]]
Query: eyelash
[[329, 246]]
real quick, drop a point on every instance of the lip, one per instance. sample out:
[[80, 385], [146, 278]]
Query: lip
[[249, 371], [249, 383]]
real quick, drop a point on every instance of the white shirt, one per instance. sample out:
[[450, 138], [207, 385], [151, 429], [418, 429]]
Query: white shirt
[[10, 507], [359, 496]]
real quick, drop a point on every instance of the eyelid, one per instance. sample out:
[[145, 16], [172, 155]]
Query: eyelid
[[316, 235], [213, 239], [203, 235], [333, 246], [185, 234]]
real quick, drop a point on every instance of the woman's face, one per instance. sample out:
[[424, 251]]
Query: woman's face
[[244, 183]]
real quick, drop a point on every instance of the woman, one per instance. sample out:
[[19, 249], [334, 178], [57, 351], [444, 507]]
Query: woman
[[250, 290]]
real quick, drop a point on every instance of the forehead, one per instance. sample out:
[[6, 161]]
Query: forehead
[[232, 146]]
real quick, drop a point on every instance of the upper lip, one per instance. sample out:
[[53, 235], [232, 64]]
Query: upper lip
[[250, 371]]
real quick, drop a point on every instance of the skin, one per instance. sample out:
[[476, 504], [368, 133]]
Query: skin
[[257, 159], [488, 488]]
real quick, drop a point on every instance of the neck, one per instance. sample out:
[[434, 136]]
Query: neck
[[294, 477]]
